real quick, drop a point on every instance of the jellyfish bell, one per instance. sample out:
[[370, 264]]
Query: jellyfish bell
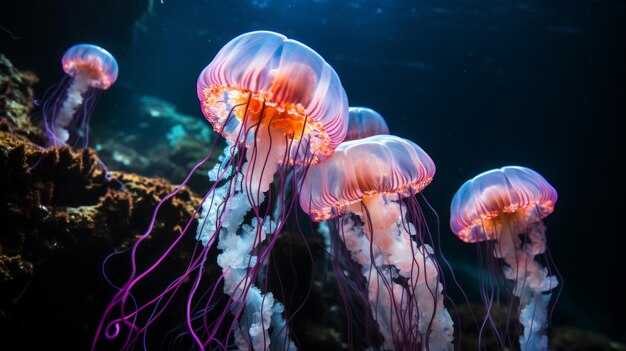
[[363, 169], [66, 112], [368, 185], [263, 78], [509, 197], [505, 207], [364, 122], [94, 64]]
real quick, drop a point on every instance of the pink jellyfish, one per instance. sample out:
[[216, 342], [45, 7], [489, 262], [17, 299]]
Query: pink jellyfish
[[504, 208], [281, 109], [66, 113], [368, 185], [364, 122]]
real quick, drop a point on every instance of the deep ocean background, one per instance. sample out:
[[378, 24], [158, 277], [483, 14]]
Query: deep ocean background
[[479, 84]]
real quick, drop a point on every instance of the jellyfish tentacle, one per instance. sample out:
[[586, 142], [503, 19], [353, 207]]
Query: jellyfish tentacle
[[532, 284], [256, 311], [76, 91]]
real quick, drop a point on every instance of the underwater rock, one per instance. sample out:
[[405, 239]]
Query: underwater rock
[[62, 214], [16, 99]]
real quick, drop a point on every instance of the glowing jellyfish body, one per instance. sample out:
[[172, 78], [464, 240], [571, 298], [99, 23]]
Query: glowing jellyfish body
[[364, 122], [90, 69], [368, 185], [264, 79], [505, 207], [280, 107]]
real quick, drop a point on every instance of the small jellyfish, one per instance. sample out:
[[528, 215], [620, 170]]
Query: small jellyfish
[[504, 208], [66, 112], [368, 185], [280, 108], [364, 122]]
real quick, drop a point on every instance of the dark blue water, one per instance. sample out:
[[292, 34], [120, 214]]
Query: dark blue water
[[478, 84]]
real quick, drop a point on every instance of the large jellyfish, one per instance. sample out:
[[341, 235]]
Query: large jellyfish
[[505, 207], [368, 185], [364, 122], [280, 107], [66, 112]]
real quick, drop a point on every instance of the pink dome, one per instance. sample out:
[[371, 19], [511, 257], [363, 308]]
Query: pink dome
[[263, 78], [512, 196], [91, 62], [381, 164]]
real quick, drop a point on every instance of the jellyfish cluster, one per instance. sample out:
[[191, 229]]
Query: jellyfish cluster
[[294, 145]]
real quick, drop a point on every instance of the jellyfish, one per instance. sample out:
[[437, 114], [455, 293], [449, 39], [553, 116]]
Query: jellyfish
[[279, 106], [364, 122], [368, 186], [66, 112], [505, 208]]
